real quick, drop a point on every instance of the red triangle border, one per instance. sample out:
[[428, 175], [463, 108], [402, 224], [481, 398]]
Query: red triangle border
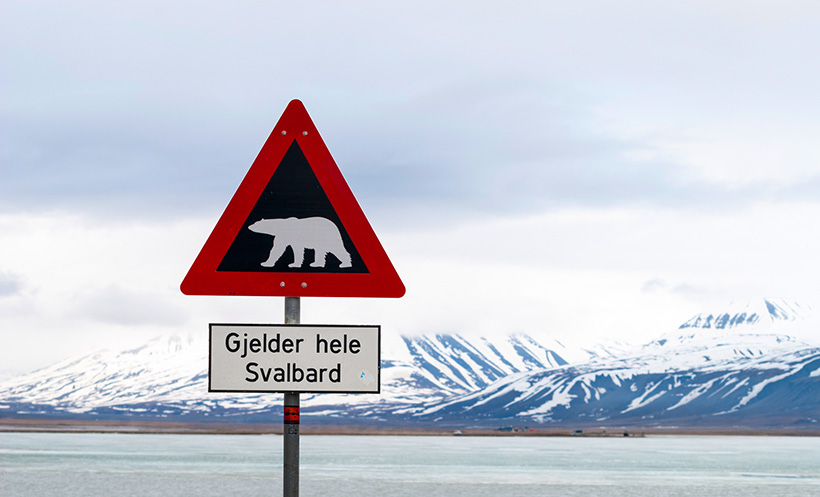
[[382, 279]]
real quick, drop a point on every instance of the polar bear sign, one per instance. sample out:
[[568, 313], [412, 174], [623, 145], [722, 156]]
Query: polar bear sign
[[293, 228], [312, 233]]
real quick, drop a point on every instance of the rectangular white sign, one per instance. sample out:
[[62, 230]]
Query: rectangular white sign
[[294, 358]]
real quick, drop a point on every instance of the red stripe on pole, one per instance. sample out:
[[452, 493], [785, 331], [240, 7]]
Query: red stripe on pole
[[291, 415]]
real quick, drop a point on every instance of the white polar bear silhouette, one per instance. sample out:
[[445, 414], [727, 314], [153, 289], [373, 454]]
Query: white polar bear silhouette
[[315, 233]]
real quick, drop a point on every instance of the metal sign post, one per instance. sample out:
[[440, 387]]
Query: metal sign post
[[292, 359], [291, 421]]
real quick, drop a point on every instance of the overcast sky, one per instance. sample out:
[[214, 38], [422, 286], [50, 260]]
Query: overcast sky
[[585, 170]]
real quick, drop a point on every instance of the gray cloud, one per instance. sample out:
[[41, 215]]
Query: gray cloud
[[10, 284], [121, 111], [483, 152], [117, 306], [654, 285]]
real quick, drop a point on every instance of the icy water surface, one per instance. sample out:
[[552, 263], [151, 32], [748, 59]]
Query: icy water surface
[[89, 465]]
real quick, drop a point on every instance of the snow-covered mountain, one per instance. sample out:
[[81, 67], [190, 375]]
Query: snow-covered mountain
[[755, 365], [167, 377], [762, 314], [776, 391], [736, 334], [752, 365]]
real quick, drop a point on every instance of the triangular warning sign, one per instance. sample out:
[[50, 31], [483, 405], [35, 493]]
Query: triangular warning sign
[[293, 228]]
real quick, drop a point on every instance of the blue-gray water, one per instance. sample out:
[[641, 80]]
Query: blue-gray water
[[89, 465]]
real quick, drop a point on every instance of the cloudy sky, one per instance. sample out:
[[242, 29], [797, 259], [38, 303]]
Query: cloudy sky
[[586, 170]]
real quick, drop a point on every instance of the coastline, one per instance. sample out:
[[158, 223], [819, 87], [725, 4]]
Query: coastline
[[12, 425]]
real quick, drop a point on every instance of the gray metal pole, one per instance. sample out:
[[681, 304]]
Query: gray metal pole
[[291, 426]]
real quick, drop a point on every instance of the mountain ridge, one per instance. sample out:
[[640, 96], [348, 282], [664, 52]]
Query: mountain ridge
[[727, 369]]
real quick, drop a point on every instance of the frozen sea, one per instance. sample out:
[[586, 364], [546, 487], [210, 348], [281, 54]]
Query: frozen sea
[[89, 465]]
